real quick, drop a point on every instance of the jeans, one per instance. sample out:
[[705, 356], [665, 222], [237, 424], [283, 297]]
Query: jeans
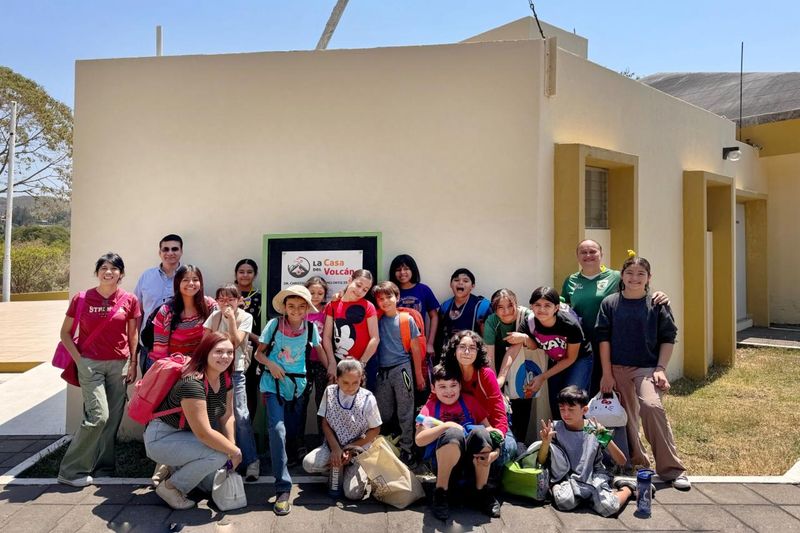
[[195, 463], [244, 430], [578, 373], [283, 422], [91, 451]]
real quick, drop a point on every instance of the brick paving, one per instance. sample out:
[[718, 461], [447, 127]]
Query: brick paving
[[15, 449], [707, 507]]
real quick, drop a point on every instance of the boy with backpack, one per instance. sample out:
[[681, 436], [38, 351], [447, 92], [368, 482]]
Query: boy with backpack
[[464, 311], [453, 428], [394, 389], [283, 348], [572, 448]]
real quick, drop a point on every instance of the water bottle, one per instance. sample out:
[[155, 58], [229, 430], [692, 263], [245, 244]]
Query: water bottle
[[644, 502], [427, 421], [335, 482]]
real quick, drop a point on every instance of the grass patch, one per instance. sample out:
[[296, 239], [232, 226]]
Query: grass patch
[[131, 462], [740, 420]]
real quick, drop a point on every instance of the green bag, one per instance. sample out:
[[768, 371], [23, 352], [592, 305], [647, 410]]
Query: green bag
[[524, 476]]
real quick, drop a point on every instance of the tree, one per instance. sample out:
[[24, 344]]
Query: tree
[[38, 267], [43, 159]]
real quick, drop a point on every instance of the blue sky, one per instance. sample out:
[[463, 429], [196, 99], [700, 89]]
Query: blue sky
[[643, 36]]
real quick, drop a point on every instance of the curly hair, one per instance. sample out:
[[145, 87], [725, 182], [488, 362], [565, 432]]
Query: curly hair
[[481, 358]]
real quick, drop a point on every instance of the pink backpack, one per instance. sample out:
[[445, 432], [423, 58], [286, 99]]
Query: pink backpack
[[151, 390], [154, 387]]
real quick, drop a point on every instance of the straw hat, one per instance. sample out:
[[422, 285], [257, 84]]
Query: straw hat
[[294, 290]]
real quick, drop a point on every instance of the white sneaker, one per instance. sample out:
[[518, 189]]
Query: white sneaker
[[253, 471], [682, 482], [161, 473], [174, 497], [83, 481]]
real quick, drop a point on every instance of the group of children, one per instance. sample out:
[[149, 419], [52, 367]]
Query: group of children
[[338, 348]]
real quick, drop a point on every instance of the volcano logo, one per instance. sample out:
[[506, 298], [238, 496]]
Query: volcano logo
[[300, 268]]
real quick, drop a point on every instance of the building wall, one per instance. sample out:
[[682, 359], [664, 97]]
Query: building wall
[[598, 107], [433, 146], [784, 254]]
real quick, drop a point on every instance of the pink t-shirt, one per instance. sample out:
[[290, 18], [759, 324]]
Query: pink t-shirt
[[317, 318], [112, 341]]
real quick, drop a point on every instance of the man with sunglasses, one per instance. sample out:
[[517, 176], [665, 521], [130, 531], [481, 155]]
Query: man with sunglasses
[[154, 287]]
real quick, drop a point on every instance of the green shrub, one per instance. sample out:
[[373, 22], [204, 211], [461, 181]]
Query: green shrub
[[39, 267]]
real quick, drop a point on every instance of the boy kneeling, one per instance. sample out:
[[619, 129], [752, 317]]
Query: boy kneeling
[[574, 451], [459, 440], [350, 418]]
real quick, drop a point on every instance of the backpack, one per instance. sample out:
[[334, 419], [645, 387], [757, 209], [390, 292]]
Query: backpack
[[147, 335], [291, 375], [156, 384], [524, 476], [408, 314]]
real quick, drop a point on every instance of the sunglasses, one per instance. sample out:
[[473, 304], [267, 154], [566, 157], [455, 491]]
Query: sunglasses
[[173, 249]]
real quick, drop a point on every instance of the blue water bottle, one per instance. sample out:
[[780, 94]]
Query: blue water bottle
[[644, 502]]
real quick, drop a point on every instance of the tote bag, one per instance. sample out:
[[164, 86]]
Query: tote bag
[[392, 482]]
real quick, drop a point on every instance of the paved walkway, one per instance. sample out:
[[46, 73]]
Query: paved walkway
[[707, 507], [29, 333], [776, 336]]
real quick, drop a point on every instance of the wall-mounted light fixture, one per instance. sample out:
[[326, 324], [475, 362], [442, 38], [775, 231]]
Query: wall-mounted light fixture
[[731, 153]]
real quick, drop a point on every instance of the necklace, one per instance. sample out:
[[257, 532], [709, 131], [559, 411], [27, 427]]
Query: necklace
[[456, 310], [339, 399]]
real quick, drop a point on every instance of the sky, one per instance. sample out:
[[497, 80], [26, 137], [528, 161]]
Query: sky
[[642, 36]]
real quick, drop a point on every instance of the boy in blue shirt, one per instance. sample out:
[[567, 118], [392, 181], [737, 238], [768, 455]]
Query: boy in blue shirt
[[394, 389]]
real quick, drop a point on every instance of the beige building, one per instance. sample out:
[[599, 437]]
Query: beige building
[[487, 153]]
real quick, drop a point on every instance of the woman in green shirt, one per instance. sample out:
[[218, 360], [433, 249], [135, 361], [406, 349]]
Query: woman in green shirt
[[585, 289]]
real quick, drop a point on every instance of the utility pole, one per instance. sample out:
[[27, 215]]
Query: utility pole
[[330, 27], [12, 136]]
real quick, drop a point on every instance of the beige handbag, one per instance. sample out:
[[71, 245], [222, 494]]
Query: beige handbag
[[392, 482]]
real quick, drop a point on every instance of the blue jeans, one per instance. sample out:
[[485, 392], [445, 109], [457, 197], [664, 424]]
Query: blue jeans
[[244, 430], [283, 421], [578, 373]]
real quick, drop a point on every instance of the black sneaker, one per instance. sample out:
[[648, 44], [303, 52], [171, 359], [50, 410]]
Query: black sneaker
[[408, 459], [440, 507], [487, 503]]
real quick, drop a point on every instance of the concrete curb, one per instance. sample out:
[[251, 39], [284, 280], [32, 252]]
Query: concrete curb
[[792, 476]]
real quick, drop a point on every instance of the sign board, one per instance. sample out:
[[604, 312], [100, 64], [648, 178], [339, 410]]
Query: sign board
[[291, 259]]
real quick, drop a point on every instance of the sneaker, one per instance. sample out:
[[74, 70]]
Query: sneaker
[[253, 471], [408, 459], [83, 481], [487, 503], [630, 482], [161, 473], [440, 507], [174, 497], [682, 482], [282, 504]]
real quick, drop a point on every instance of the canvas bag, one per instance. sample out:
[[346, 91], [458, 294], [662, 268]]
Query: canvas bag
[[391, 480], [228, 490], [607, 411], [524, 476]]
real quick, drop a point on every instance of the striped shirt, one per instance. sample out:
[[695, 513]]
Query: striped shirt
[[195, 389], [186, 335]]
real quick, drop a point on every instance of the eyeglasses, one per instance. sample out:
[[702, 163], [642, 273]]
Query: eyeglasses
[[166, 249], [467, 349]]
